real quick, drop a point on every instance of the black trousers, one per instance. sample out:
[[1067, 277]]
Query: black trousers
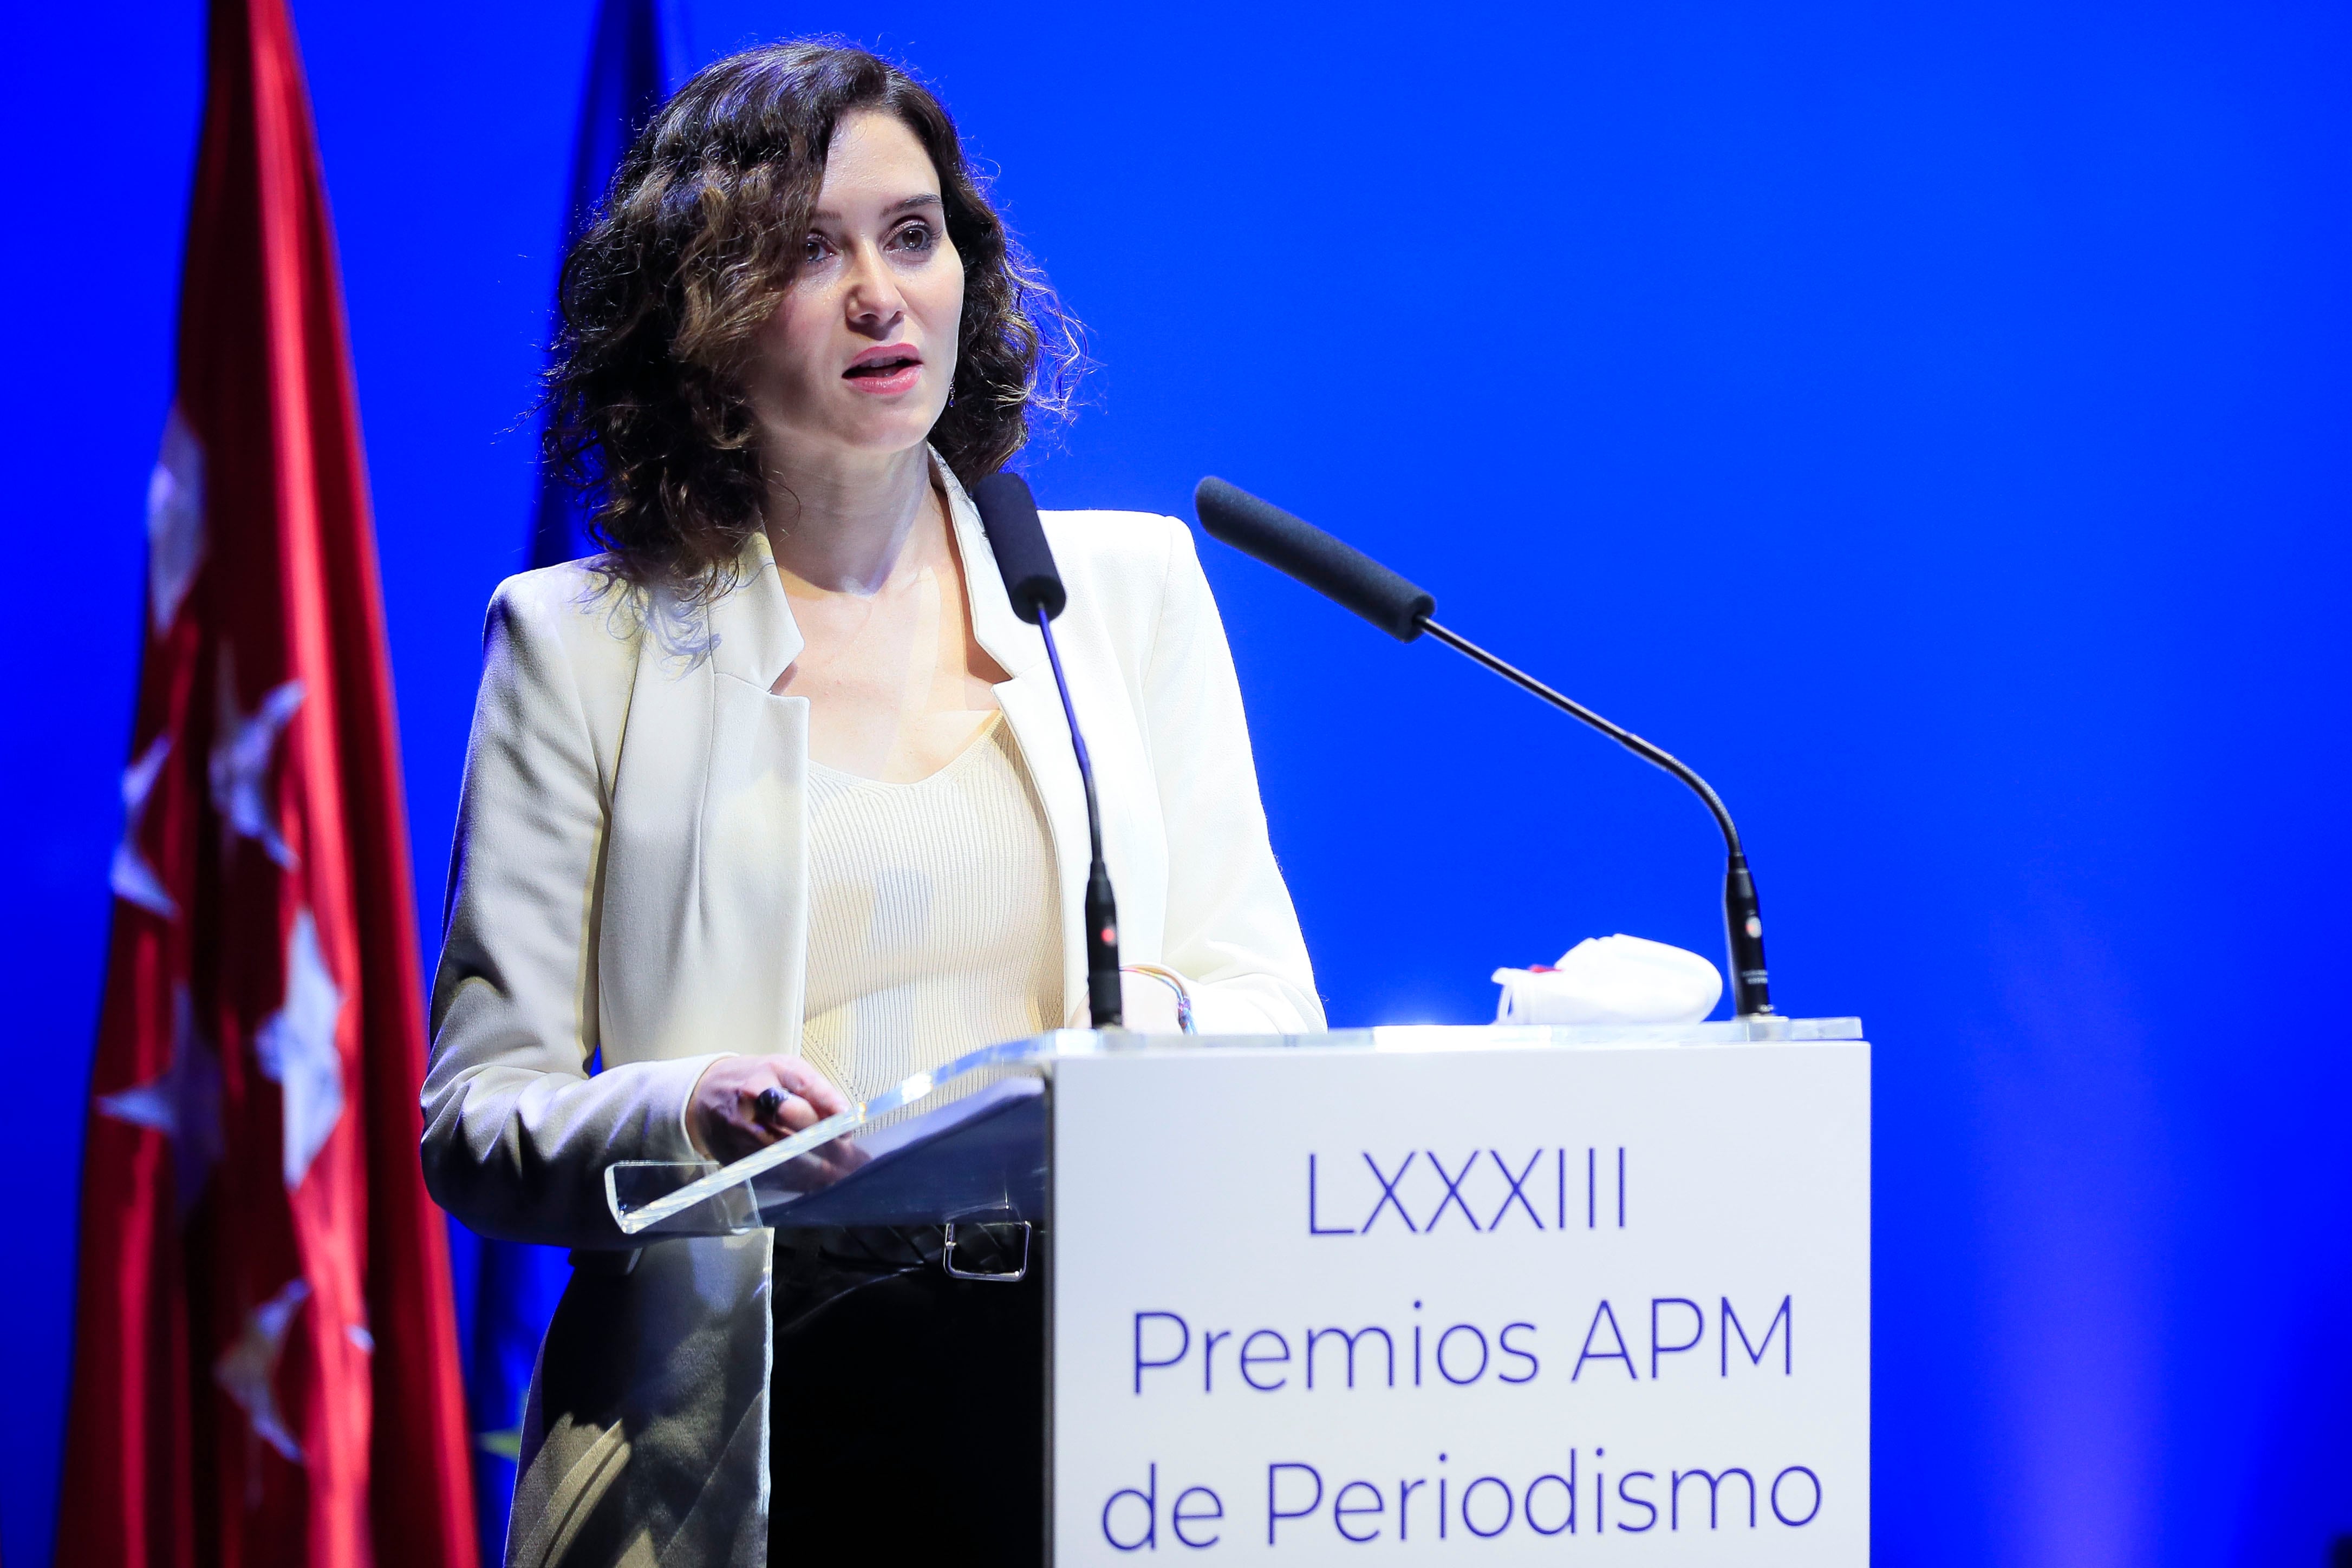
[[906, 1410]]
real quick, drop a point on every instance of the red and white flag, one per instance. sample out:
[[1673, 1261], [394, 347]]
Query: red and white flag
[[266, 1362]]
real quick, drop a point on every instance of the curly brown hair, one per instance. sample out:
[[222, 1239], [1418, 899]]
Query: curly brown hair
[[695, 243]]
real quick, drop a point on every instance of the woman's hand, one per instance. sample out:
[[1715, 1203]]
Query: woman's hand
[[743, 1104]]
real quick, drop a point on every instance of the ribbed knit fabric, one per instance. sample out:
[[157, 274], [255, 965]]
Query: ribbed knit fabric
[[935, 920]]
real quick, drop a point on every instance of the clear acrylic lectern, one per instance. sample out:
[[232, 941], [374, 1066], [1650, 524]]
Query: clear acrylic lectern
[[977, 1140], [1472, 1286]]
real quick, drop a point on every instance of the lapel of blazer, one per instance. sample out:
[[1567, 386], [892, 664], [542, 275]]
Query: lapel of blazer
[[755, 638], [1033, 706], [751, 915], [701, 947]]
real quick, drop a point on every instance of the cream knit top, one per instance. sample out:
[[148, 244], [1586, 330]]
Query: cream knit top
[[935, 919]]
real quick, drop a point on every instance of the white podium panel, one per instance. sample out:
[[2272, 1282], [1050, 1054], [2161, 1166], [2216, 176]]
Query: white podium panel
[[1506, 1305]]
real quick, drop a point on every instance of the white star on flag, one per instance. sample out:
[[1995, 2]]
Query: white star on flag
[[240, 760], [133, 877], [183, 1103], [175, 520], [246, 1368], [297, 1048]]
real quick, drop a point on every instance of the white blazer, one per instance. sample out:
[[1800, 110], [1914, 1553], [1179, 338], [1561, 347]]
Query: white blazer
[[629, 876]]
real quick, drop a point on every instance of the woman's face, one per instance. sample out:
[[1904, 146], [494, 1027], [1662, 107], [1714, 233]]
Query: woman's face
[[860, 354]]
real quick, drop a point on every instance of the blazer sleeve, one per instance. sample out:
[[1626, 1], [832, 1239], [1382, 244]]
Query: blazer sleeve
[[516, 1131], [1232, 931]]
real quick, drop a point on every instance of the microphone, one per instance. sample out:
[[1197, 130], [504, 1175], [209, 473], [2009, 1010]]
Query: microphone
[[1299, 549], [1008, 514], [1342, 573]]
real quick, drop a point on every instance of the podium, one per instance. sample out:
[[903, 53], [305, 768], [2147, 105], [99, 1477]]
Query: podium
[[1485, 1292]]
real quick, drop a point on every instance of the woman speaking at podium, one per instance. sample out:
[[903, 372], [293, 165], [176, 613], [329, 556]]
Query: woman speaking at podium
[[774, 803]]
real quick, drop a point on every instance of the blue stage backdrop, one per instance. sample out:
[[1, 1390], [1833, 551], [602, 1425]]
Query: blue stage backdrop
[[1931, 424]]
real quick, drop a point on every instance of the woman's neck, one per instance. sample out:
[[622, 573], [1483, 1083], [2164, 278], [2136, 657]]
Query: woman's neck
[[844, 523]]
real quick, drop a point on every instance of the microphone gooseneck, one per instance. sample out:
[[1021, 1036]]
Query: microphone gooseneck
[[1103, 1003], [1743, 919], [1008, 514], [1346, 574]]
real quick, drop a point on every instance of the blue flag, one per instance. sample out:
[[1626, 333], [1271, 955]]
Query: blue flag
[[511, 1288], [626, 83]]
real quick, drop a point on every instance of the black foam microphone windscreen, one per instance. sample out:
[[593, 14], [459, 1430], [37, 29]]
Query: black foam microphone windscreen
[[1299, 548], [1008, 514]]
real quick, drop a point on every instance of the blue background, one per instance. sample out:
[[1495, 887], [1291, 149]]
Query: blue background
[[1930, 422]]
